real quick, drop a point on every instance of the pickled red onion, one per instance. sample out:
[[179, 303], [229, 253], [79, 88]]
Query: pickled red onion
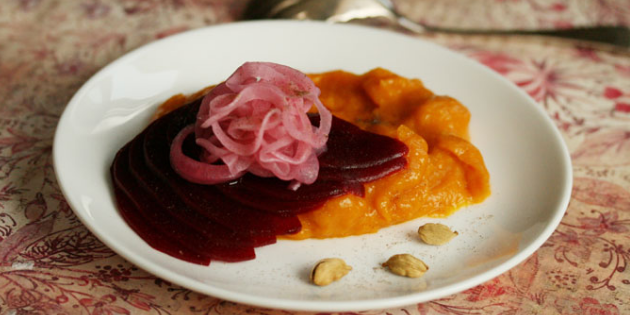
[[256, 121]]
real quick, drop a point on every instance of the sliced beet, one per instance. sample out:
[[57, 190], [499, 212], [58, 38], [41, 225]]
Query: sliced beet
[[262, 202], [152, 236], [157, 218], [276, 188], [349, 147], [208, 200], [363, 175], [180, 118], [173, 205]]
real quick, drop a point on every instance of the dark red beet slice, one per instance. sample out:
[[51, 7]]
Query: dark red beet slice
[[179, 119], [349, 147], [363, 175], [277, 198], [276, 188], [158, 219], [207, 200], [153, 237], [262, 202], [169, 201]]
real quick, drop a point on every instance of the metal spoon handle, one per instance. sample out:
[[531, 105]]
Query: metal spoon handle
[[615, 35]]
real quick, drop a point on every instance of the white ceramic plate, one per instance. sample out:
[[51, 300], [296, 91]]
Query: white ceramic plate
[[527, 159]]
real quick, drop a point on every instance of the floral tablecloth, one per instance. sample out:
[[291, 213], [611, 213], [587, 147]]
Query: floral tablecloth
[[51, 264]]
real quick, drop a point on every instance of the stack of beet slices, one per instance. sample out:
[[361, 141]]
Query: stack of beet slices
[[198, 223]]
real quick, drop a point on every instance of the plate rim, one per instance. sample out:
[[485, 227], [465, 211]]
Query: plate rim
[[325, 306]]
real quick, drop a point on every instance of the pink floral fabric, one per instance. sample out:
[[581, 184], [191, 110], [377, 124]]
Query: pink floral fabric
[[51, 264], [516, 14]]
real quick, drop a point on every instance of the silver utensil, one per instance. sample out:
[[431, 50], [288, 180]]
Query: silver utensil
[[343, 11]]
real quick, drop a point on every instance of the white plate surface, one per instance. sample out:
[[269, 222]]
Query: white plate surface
[[527, 159]]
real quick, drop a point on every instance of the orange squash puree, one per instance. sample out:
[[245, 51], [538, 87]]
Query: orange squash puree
[[444, 172], [178, 100]]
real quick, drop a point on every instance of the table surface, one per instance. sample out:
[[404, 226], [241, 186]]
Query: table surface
[[51, 264]]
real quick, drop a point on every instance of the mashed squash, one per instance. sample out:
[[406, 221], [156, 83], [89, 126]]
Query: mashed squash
[[444, 172]]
